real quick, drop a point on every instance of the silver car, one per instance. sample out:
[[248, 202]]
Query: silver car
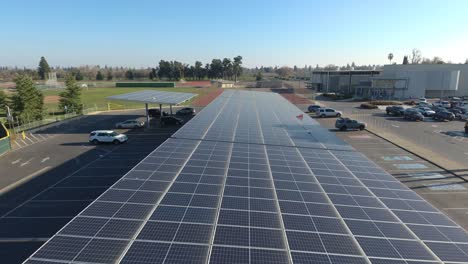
[[133, 123]]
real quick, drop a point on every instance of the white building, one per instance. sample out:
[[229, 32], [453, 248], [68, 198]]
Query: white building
[[423, 80]]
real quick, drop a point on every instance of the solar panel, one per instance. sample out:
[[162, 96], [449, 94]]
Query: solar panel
[[246, 182], [154, 97]]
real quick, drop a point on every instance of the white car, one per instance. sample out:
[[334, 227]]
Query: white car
[[426, 111], [445, 104], [422, 100], [133, 123], [327, 112], [107, 136]]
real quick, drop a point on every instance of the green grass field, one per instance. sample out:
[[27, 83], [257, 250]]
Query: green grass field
[[96, 97]]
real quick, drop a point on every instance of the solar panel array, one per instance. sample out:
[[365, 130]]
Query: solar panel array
[[245, 181], [154, 97]]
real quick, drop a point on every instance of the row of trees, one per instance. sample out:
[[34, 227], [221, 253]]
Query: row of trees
[[417, 58], [217, 69], [27, 101]]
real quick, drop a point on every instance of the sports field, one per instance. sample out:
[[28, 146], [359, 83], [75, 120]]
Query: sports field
[[96, 97]]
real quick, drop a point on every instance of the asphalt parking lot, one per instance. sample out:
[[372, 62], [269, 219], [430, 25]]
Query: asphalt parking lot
[[442, 189], [443, 142], [44, 185]]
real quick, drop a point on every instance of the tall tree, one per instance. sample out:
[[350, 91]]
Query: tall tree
[[129, 75], [43, 68], [99, 76], [237, 67], [28, 101], [416, 56], [109, 76], [199, 70], [70, 98], [227, 68], [3, 99], [390, 57], [405, 60], [216, 69]]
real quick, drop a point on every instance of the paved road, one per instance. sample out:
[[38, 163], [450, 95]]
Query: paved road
[[55, 179], [443, 142], [443, 190]]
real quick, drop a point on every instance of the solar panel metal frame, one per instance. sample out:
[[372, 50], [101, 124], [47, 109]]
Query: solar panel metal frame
[[328, 184]]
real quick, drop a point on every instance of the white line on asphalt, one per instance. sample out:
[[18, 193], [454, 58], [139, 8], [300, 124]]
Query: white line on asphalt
[[26, 162], [32, 141], [24, 142], [434, 125], [455, 208], [45, 159], [41, 136], [34, 136], [16, 161], [24, 180], [395, 125]]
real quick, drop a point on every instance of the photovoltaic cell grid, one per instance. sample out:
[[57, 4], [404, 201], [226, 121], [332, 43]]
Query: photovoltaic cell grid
[[246, 191], [154, 97]]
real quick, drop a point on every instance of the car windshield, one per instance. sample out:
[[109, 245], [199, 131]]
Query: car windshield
[[113, 134]]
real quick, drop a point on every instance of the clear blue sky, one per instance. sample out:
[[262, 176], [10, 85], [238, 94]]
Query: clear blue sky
[[139, 33]]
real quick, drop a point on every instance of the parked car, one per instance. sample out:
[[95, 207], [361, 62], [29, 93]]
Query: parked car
[[426, 111], [463, 114], [327, 112], [443, 116], [107, 136], [133, 123], [422, 100], [395, 110], [444, 104], [439, 108], [186, 111], [171, 120], [413, 114], [424, 104], [154, 112], [313, 108], [344, 124]]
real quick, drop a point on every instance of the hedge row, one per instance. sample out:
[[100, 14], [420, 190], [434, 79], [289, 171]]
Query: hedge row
[[145, 84]]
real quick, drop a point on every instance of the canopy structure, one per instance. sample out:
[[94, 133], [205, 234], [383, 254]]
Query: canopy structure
[[154, 97]]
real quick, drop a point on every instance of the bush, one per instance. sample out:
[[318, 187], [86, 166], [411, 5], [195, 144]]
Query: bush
[[369, 106], [334, 96], [383, 102]]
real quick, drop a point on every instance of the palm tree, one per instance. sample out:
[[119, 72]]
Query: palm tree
[[390, 57]]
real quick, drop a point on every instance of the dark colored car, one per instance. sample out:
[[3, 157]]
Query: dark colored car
[[313, 108], [444, 115], [413, 115], [344, 124], [395, 110], [186, 111], [154, 112], [171, 120]]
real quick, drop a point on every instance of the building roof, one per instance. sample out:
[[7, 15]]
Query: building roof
[[251, 178], [154, 97]]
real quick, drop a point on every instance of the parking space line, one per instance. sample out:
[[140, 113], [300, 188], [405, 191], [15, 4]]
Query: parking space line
[[32, 141]]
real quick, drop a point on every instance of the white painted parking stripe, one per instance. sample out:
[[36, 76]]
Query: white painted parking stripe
[[45, 159], [32, 141], [395, 125], [16, 161], [26, 162]]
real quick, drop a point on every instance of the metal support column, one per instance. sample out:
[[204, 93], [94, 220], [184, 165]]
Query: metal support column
[[170, 107], [161, 116], [147, 116]]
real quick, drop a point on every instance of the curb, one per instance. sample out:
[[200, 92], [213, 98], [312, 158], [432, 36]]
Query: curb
[[417, 155]]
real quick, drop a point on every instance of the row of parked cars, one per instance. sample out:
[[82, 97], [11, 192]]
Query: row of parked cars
[[418, 113], [342, 124], [110, 136]]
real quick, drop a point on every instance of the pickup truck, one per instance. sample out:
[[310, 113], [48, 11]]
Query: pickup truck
[[395, 110]]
